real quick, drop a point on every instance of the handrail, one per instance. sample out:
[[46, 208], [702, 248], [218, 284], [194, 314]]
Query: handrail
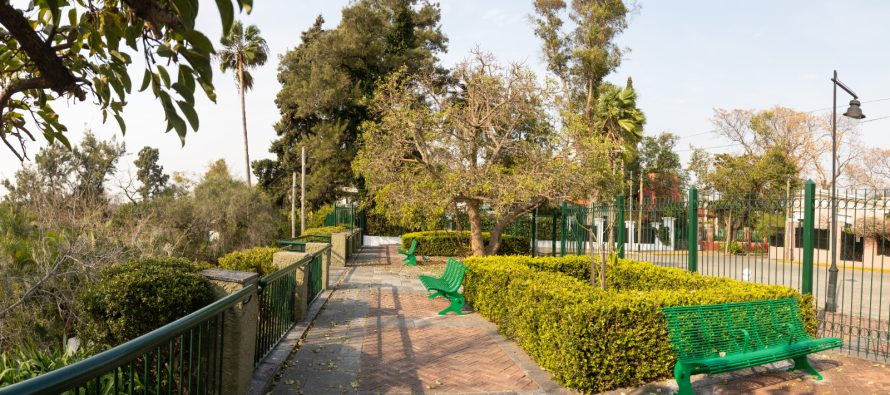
[[287, 269], [83, 371]]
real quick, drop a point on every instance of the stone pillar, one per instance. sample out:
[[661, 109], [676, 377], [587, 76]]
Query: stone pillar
[[669, 223], [657, 241], [282, 259], [239, 328], [631, 235], [339, 248], [325, 261]]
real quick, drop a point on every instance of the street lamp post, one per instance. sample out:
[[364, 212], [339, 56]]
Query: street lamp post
[[856, 113]]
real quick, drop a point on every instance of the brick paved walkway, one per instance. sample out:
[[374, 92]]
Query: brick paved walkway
[[842, 375], [379, 333]]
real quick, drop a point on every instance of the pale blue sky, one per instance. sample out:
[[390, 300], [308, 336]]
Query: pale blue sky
[[687, 58]]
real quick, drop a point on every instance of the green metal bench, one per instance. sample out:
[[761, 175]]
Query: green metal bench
[[725, 337], [409, 259], [447, 286]]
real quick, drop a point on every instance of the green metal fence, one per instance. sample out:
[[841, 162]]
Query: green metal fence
[[184, 356], [342, 215], [277, 295], [785, 239]]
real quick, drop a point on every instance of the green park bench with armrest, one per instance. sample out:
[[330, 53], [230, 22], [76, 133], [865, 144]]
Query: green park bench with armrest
[[725, 337], [409, 259], [447, 286]]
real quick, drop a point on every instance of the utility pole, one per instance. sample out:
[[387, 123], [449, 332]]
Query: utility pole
[[293, 205], [303, 190], [640, 216]]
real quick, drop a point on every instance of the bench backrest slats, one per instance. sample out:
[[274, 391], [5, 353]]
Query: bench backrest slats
[[719, 330], [457, 270]]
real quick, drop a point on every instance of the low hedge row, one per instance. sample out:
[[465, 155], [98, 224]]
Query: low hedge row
[[457, 243], [595, 340], [257, 260]]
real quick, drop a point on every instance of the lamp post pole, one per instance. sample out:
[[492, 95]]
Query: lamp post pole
[[856, 113], [830, 303]]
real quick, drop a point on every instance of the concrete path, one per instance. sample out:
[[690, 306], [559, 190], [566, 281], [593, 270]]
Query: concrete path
[[379, 333]]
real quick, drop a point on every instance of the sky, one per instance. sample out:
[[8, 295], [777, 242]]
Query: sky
[[686, 59]]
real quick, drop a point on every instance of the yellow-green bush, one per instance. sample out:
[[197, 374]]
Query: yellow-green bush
[[454, 243], [257, 260], [595, 340]]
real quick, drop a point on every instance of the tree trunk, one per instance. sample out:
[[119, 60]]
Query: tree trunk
[[477, 244], [244, 121]]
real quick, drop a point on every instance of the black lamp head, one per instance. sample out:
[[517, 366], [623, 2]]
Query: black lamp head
[[854, 111]]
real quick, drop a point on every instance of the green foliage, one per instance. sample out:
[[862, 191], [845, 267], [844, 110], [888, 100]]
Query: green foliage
[[324, 230], [316, 217], [415, 168], [457, 243], [243, 49], [594, 340], [327, 82], [150, 173], [56, 49], [257, 260], [660, 165], [133, 298], [27, 361]]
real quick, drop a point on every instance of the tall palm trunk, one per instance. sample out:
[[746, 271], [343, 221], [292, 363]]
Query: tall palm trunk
[[244, 120]]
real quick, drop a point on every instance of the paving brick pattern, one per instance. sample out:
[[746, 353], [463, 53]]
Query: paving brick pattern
[[380, 334]]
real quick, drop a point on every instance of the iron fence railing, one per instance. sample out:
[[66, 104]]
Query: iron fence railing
[[278, 300], [184, 356], [788, 240]]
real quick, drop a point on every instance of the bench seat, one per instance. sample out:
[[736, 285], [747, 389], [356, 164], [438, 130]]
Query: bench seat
[[726, 337]]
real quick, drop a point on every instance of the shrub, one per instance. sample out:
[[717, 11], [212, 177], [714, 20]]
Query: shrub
[[454, 243], [595, 340], [324, 230], [257, 260], [136, 297]]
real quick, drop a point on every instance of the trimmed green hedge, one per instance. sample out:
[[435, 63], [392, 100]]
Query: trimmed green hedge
[[454, 243], [595, 340], [257, 260], [133, 298]]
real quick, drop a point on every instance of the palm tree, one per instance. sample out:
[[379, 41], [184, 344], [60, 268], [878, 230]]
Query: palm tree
[[243, 49]]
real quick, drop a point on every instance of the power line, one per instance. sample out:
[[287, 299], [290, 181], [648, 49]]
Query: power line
[[801, 112]]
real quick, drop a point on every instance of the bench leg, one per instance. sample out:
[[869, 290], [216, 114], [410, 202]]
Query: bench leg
[[410, 260], [437, 294], [457, 303], [802, 363], [682, 374]]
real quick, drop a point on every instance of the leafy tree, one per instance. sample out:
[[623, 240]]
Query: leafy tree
[[78, 174], [804, 137], [329, 79], [243, 49], [584, 55], [483, 141], [52, 50], [660, 166], [745, 184], [150, 173]]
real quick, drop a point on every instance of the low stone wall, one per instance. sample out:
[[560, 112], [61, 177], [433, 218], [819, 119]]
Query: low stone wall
[[344, 244], [240, 326]]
